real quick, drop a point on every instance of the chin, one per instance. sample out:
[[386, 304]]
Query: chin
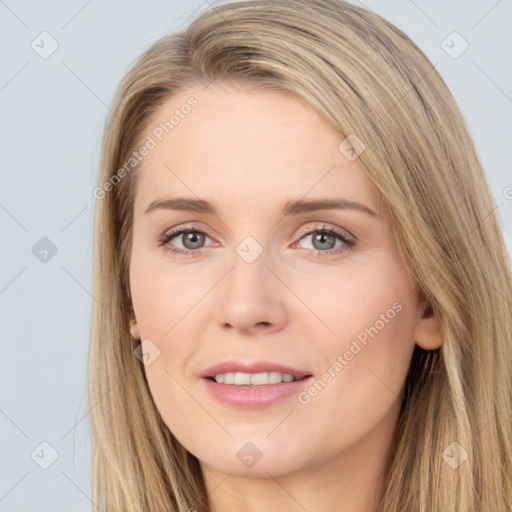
[[256, 459]]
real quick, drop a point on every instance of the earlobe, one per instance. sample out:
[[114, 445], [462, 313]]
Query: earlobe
[[134, 328], [428, 333], [134, 331]]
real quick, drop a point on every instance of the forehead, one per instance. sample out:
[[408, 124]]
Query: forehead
[[245, 144]]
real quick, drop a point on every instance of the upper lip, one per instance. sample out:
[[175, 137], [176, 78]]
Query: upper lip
[[255, 367]]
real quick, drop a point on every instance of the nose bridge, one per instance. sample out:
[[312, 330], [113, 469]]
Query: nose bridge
[[249, 276], [251, 294]]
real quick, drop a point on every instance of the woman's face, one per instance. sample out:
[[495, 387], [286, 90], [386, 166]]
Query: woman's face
[[320, 294]]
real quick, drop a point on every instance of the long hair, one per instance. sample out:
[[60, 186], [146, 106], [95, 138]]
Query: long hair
[[365, 78]]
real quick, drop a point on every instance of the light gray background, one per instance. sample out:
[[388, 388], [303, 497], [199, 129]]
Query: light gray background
[[52, 114]]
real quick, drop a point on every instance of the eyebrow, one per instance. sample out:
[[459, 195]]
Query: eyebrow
[[289, 209]]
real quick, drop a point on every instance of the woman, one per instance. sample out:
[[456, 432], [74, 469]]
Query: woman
[[237, 362]]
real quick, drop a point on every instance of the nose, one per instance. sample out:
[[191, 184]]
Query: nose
[[251, 297]]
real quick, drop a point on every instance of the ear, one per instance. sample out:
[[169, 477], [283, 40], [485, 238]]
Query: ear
[[133, 326], [428, 334], [134, 330]]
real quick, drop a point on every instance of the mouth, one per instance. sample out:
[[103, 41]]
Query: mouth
[[259, 373], [253, 386], [254, 379]]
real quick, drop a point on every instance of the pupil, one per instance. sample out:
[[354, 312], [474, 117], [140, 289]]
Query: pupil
[[194, 238]]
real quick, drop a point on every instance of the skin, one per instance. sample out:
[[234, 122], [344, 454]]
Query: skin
[[249, 151]]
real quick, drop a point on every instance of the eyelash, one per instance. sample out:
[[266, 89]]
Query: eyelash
[[348, 243]]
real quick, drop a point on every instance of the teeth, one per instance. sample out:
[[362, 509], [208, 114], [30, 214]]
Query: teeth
[[242, 378], [253, 379], [260, 379], [275, 377], [229, 378]]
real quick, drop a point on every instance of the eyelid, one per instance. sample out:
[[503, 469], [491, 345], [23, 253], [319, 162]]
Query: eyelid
[[326, 226]]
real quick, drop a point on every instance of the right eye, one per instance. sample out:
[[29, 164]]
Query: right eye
[[192, 238]]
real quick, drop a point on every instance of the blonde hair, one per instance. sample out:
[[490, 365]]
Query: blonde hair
[[364, 77]]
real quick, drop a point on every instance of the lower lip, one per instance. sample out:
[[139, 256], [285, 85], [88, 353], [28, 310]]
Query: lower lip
[[254, 397]]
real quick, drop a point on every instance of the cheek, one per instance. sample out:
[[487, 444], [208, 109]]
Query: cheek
[[366, 361], [164, 295], [181, 412], [368, 378], [164, 300], [361, 300], [168, 304]]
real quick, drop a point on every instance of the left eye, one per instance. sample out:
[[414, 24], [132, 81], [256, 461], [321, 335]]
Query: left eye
[[323, 239]]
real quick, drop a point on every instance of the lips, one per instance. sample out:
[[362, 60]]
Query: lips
[[255, 367], [261, 396]]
